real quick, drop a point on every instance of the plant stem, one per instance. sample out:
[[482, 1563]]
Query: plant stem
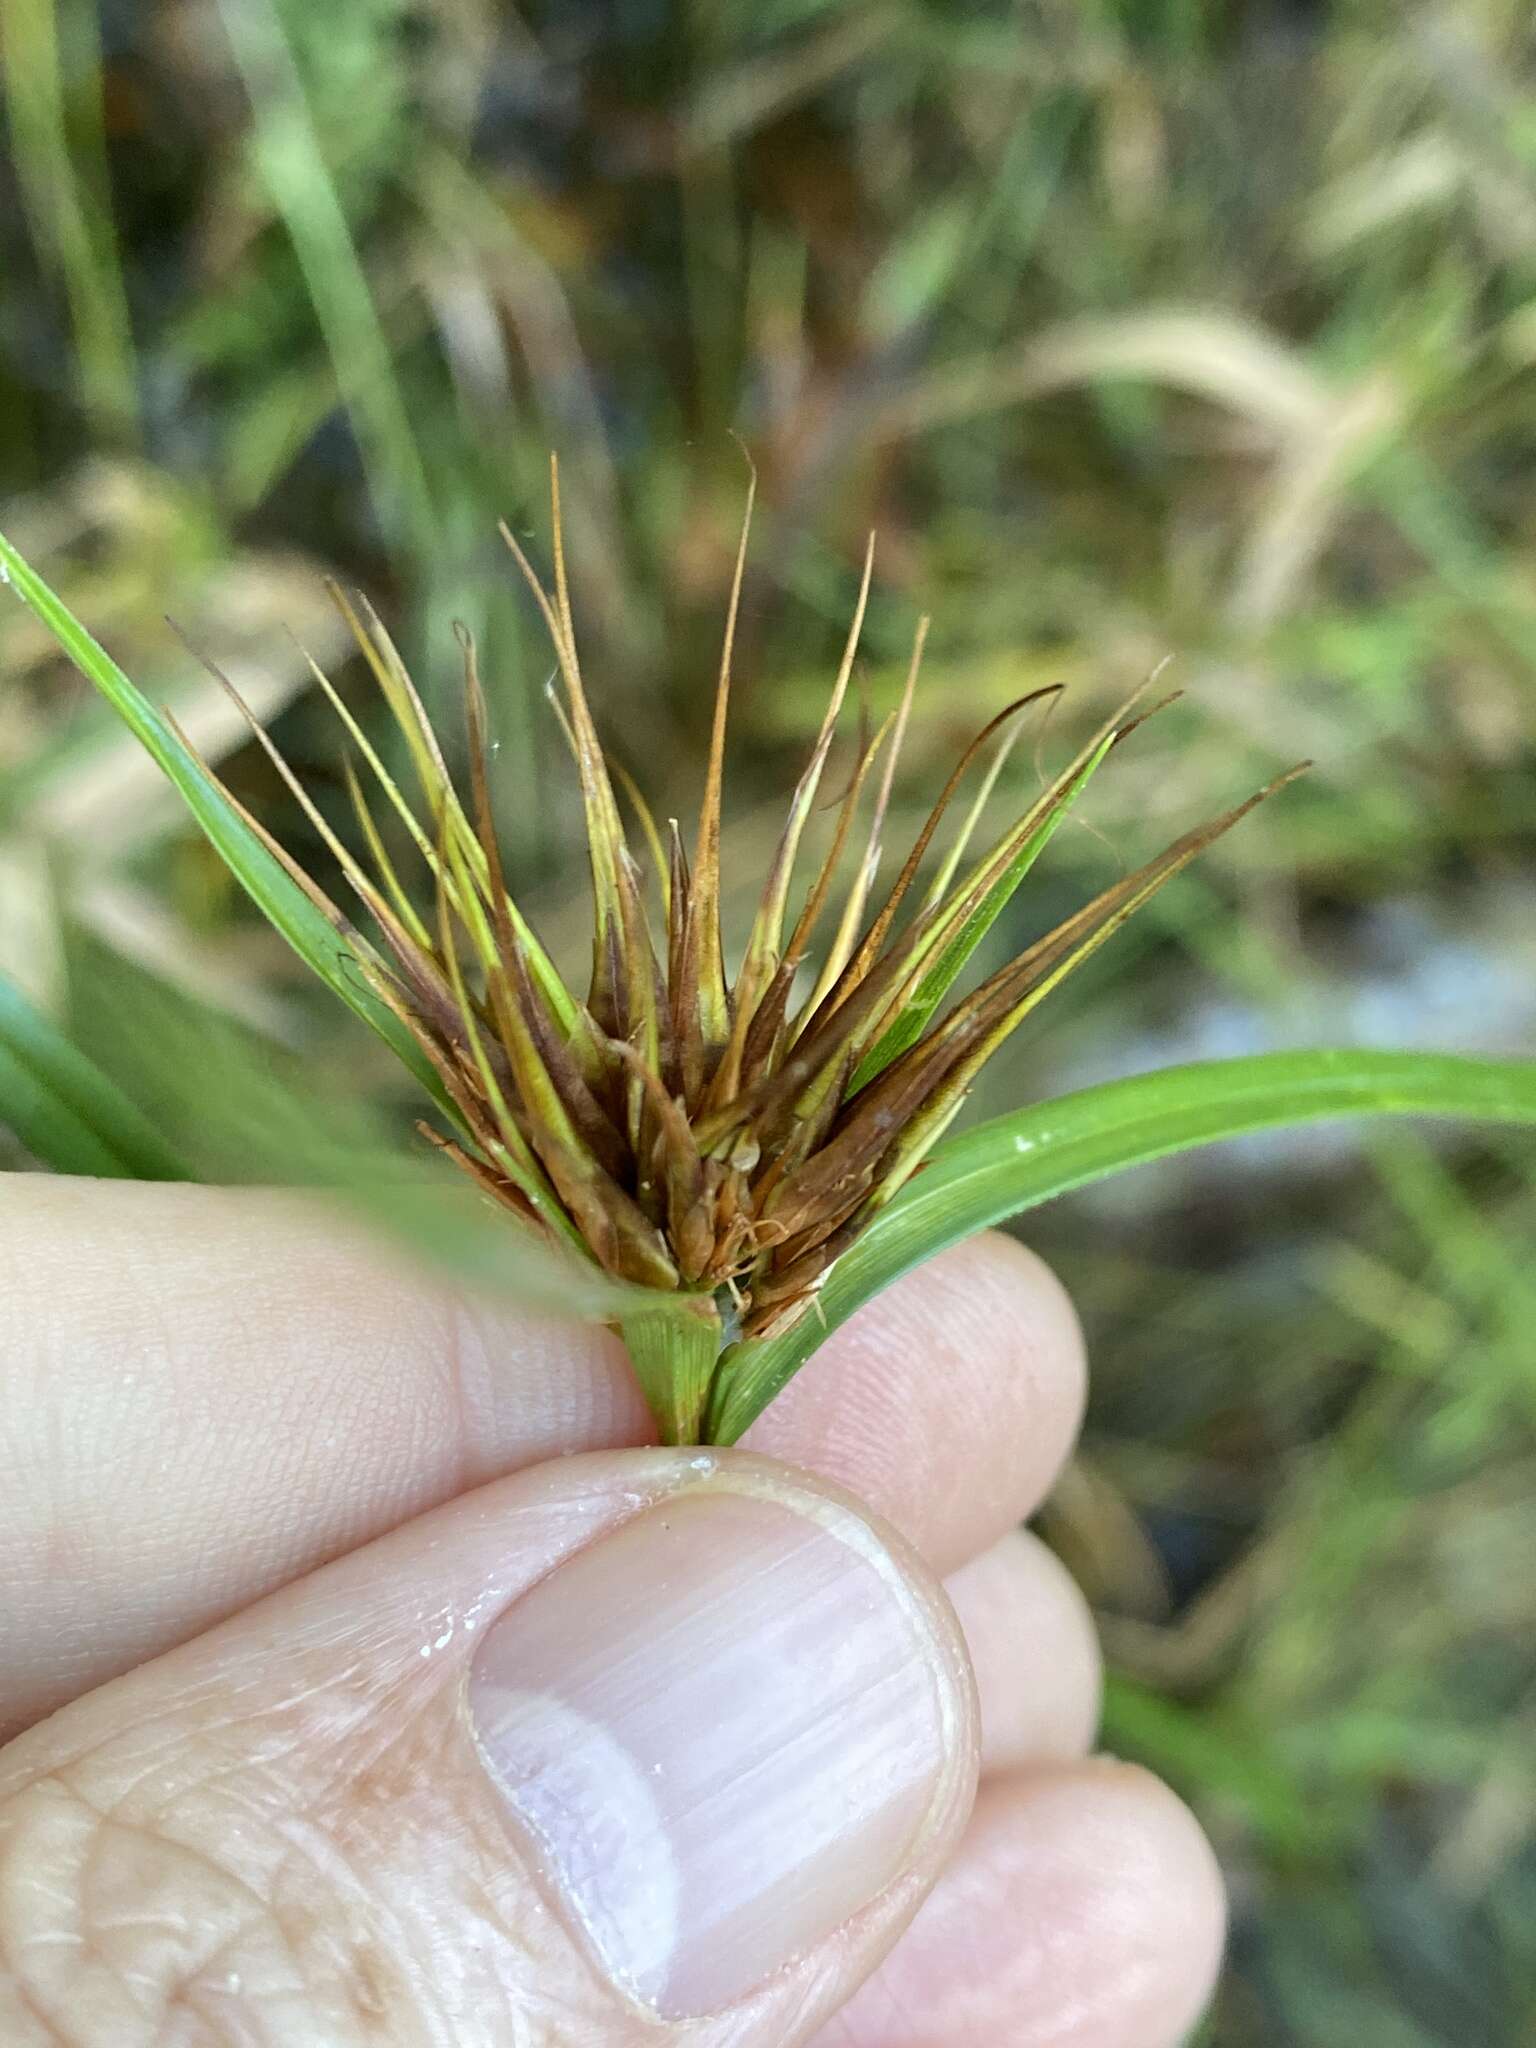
[[674, 1351]]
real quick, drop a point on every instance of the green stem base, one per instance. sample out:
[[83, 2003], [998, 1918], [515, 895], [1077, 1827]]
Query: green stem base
[[674, 1351]]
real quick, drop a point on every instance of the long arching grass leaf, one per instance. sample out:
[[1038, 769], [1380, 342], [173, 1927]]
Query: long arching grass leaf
[[252, 863], [1016, 1162]]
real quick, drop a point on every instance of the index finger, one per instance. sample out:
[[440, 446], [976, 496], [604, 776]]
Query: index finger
[[211, 1391]]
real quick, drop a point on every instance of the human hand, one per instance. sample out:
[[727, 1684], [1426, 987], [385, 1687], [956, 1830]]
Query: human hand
[[377, 1716]]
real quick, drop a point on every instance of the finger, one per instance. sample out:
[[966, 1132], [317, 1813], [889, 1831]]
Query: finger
[[627, 1741], [210, 1391], [1033, 1650], [1083, 1910], [950, 1404]]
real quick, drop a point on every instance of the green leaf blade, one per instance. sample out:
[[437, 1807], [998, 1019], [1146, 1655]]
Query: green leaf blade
[[253, 865], [1016, 1162], [67, 1113]]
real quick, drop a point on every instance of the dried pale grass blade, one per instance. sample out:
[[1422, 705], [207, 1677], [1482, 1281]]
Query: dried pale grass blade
[[851, 1013], [515, 1155], [399, 693], [371, 755], [566, 1057], [816, 900], [427, 756], [1231, 362], [410, 716], [767, 930], [934, 952], [765, 940], [841, 949], [479, 846], [384, 867], [704, 956], [885, 1124], [625, 998], [603, 809], [604, 829], [1001, 1005], [413, 965], [861, 965], [687, 1041], [376, 904], [646, 818], [949, 867], [770, 1016], [938, 965]]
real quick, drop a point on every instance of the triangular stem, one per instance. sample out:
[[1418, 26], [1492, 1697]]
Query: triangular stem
[[674, 1351]]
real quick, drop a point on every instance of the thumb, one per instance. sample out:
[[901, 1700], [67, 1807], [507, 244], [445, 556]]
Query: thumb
[[628, 1745]]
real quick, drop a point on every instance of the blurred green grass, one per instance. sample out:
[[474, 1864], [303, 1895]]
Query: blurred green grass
[[1138, 328]]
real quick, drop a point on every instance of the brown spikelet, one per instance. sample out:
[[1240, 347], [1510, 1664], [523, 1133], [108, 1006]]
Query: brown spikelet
[[684, 1128]]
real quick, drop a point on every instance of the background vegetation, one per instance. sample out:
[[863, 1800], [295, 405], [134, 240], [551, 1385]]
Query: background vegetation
[[1139, 328]]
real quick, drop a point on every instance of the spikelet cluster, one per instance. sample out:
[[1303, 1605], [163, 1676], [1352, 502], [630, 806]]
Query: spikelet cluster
[[685, 1127]]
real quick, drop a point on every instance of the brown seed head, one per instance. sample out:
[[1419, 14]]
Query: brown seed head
[[683, 1128]]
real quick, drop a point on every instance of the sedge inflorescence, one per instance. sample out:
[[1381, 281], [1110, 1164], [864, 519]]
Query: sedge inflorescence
[[693, 1131]]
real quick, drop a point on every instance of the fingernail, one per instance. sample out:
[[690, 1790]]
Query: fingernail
[[724, 1727]]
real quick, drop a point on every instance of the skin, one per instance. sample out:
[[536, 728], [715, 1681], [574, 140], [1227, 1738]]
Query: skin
[[241, 1449]]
